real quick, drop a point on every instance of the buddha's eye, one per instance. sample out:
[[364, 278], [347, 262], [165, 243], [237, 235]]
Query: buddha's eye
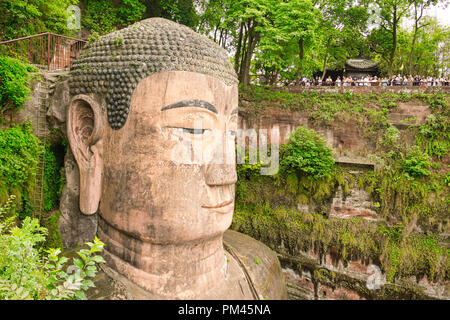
[[194, 131], [232, 133]]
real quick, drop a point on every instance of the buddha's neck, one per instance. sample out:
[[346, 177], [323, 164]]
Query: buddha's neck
[[166, 270]]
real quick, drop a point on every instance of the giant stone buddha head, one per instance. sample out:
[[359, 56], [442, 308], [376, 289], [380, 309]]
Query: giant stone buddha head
[[151, 125]]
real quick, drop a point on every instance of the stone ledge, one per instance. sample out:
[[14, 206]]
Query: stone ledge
[[309, 278]]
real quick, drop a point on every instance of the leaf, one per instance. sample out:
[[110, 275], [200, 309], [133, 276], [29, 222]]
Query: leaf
[[80, 295], [91, 271], [78, 263], [98, 259], [88, 284]]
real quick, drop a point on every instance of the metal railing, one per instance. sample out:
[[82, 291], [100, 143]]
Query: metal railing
[[46, 50], [376, 83]]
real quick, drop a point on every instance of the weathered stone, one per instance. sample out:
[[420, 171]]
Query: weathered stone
[[212, 61], [75, 227], [260, 262], [356, 204], [162, 216]]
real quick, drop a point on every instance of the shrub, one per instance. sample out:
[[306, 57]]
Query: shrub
[[434, 136], [14, 90], [390, 136], [307, 153], [437, 102], [29, 273], [416, 163], [53, 175], [19, 156]]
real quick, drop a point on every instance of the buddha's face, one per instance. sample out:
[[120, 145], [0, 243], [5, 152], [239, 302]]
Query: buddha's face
[[168, 175]]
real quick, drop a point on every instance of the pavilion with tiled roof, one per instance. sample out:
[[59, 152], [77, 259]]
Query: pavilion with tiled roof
[[360, 67]]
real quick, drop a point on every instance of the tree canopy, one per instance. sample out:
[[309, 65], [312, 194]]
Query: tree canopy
[[269, 41]]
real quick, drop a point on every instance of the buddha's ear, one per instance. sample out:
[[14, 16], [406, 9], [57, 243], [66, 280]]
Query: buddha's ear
[[85, 132]]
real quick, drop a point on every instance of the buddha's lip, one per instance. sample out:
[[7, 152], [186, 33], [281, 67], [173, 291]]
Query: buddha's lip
[[220, 205]]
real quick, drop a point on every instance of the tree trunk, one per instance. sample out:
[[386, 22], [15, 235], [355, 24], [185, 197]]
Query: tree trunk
[[237, 55], [244, 52], [215, 32], [325, 59], [253, 39], [300, 65], [416, 30], [394, 42]]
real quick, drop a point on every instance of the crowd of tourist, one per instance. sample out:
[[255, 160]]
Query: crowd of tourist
[[375, 81]]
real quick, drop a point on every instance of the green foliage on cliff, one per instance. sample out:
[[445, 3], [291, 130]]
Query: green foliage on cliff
[[14, 90], [416, 163], [306, 152], [434, 135], [54, 169], [18, 161], [409, 188], [399, 254]]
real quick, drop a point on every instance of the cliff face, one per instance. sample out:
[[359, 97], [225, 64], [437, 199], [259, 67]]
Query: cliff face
[[371, 231]]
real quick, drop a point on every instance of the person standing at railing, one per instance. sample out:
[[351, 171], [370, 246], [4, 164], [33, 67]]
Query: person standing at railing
[[410, 80], [374, 81], [338, 81]]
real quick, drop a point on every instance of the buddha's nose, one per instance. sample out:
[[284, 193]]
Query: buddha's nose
[[221, 169], [221, 174]]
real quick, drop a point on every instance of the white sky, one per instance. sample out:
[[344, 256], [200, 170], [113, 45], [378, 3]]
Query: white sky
[[441, 13]]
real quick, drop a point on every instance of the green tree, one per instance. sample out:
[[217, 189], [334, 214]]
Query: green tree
[[297, 22], [306, 152], [181, 11], [21, 18], [384, 39], [105, 16], [14, 90], [418, 15], [341, 27]]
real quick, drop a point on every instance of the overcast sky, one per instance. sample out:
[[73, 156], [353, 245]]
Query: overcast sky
[[442, 14]]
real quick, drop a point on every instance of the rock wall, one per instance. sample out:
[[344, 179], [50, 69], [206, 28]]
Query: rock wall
[[310, 276]]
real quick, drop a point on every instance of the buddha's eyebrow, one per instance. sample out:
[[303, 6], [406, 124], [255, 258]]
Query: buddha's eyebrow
[[235, 111], [191, 103]]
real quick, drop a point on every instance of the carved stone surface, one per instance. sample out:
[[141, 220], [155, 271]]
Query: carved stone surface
[[163, 184], [115, 63], [75, 227]]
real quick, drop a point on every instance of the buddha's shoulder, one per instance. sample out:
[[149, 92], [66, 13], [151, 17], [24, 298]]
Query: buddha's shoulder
[[259, 263]]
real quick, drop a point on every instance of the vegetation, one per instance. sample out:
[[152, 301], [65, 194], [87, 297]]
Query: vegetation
[[55, 150], [307, 153], [409, 189], [14, 89], [105, 16], [22, 18], [30, 272], [271, 41], [18, 162]]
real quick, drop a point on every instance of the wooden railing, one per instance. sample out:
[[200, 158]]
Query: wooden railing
[[46, 50]]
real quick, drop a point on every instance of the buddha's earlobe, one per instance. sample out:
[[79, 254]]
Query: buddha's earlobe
[[85, 132]]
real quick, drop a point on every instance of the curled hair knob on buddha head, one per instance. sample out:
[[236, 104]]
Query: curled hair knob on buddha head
[[113, 65]]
